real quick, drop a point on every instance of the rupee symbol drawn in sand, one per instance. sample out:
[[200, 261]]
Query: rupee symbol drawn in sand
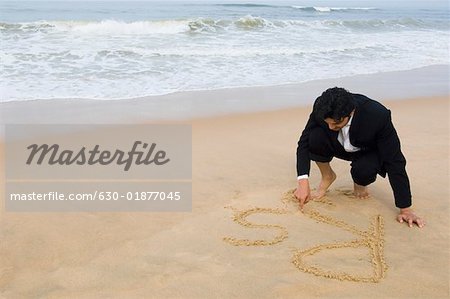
[[372, 239], [240, 218]]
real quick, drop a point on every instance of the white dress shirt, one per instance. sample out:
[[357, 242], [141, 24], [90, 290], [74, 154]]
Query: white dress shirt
[[344, 137]]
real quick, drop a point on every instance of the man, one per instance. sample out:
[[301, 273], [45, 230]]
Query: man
[[355, 128]]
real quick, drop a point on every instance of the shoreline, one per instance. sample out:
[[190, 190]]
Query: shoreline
[[422, 82], [279, 85]]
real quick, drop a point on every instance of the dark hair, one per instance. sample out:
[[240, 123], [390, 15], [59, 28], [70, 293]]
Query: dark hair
[[335, 103]]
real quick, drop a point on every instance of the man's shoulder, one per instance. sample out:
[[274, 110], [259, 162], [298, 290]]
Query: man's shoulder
[[368, 105], [369, 113]]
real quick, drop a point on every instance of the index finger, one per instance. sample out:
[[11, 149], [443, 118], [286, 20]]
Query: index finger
[[301, 204]]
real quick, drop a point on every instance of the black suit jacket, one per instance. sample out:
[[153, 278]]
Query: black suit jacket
[[371, 129]]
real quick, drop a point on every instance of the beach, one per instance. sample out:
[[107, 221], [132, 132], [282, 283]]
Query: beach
[[236, 169], [224, 88]]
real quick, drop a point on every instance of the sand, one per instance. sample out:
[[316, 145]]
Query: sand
[[245, 237]]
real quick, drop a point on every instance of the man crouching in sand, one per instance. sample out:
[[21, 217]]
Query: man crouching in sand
[[355, 128]]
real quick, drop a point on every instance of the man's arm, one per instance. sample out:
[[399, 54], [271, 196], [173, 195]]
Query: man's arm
[[394, 162], [303, 160], [303, 192]]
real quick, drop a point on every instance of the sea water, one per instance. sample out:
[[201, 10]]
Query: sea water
[[121, 50]]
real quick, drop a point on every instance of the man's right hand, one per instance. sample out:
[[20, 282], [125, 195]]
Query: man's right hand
[[303, 192]]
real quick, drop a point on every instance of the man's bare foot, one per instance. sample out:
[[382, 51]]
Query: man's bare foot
[[325, 183], [361, 192]]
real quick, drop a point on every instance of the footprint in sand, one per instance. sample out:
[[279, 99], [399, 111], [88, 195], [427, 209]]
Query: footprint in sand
[[348, 193]]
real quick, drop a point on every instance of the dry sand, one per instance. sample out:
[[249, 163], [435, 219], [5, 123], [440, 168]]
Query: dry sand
[[243, 165]]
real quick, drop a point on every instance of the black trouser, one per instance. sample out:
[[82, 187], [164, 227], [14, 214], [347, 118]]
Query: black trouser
[[365, 165]]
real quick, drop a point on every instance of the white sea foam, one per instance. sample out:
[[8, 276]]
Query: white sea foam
[[331, 9], [114, 27], [247, 22], [114, 58]]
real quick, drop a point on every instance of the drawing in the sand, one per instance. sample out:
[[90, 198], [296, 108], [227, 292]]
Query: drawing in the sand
[[373, 239]]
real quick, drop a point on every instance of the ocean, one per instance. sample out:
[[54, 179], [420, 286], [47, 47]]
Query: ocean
[[114, 50]]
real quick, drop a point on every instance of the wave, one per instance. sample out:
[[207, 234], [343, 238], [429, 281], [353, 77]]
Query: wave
[[331, 9], [208, 25], [403, 23], [100, 27], [304, 8], [249, 22], [25, 27], [247, 5], [224, 51]]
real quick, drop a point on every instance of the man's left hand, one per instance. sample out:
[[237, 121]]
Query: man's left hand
[[407, 215]]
